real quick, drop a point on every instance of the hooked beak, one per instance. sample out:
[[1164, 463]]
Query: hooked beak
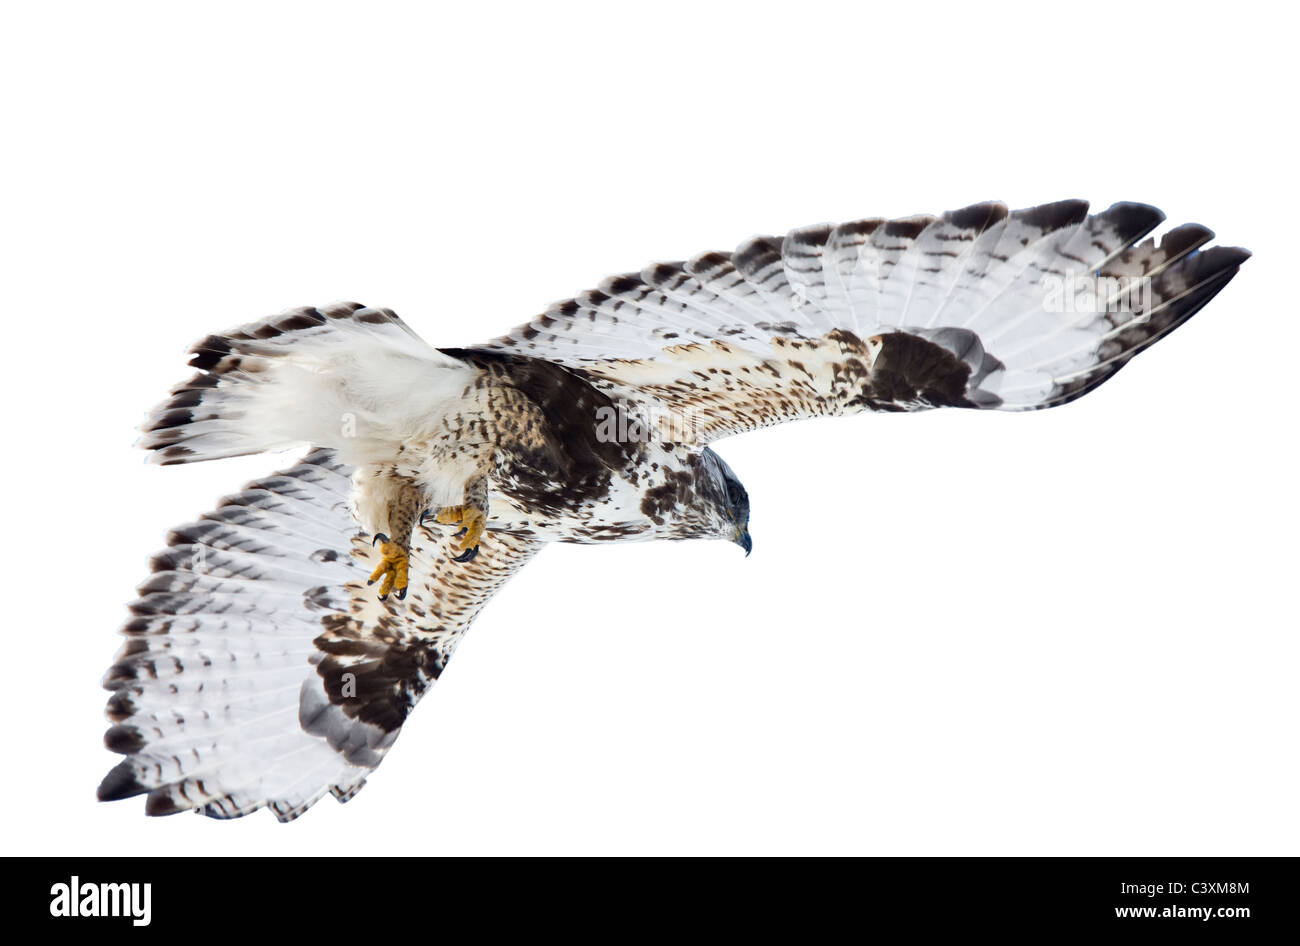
[[744, 541]]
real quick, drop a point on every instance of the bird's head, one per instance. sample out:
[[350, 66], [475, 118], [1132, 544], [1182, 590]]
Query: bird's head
[[717, 487]]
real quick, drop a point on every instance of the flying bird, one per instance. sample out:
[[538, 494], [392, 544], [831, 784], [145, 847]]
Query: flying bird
[[283, 638]]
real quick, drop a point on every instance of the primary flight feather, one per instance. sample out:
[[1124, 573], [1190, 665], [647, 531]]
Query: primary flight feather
[[283, 638]]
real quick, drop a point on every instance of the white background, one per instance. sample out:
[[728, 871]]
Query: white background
[[1070, 632]]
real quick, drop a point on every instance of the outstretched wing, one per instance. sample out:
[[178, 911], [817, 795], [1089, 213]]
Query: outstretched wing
[[259, 669], [977, 308]]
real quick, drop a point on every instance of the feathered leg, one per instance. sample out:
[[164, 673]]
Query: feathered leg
[[402, 502], [471, 516]]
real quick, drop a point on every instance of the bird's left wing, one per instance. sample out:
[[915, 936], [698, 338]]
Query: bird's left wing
[[259, 668], [979, 307]]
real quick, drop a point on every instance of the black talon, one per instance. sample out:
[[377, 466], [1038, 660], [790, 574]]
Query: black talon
[[467, 556], [424, 515], [383, 597], [401, 595], [379, 537], [457, 535]]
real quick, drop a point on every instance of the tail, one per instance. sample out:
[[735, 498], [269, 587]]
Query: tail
[[350, 378]]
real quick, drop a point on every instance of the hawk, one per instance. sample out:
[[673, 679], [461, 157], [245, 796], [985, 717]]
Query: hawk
[[282, 638]]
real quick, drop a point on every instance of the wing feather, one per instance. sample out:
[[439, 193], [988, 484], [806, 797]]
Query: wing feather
[[905, 314], [259, 670]]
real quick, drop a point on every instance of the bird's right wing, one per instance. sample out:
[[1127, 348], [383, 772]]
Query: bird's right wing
[[259, 668]]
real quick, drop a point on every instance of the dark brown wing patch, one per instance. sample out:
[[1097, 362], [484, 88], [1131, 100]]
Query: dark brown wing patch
[[379, 658], [912, 371]]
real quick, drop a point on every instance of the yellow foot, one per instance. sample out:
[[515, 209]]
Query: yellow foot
[[472, 520], [393, 567]]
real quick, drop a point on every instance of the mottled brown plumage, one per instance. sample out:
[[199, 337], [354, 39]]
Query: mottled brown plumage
[[261, 669]]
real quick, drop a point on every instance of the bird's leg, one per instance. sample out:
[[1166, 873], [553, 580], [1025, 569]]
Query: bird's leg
[[404, 504], [471, 516]]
